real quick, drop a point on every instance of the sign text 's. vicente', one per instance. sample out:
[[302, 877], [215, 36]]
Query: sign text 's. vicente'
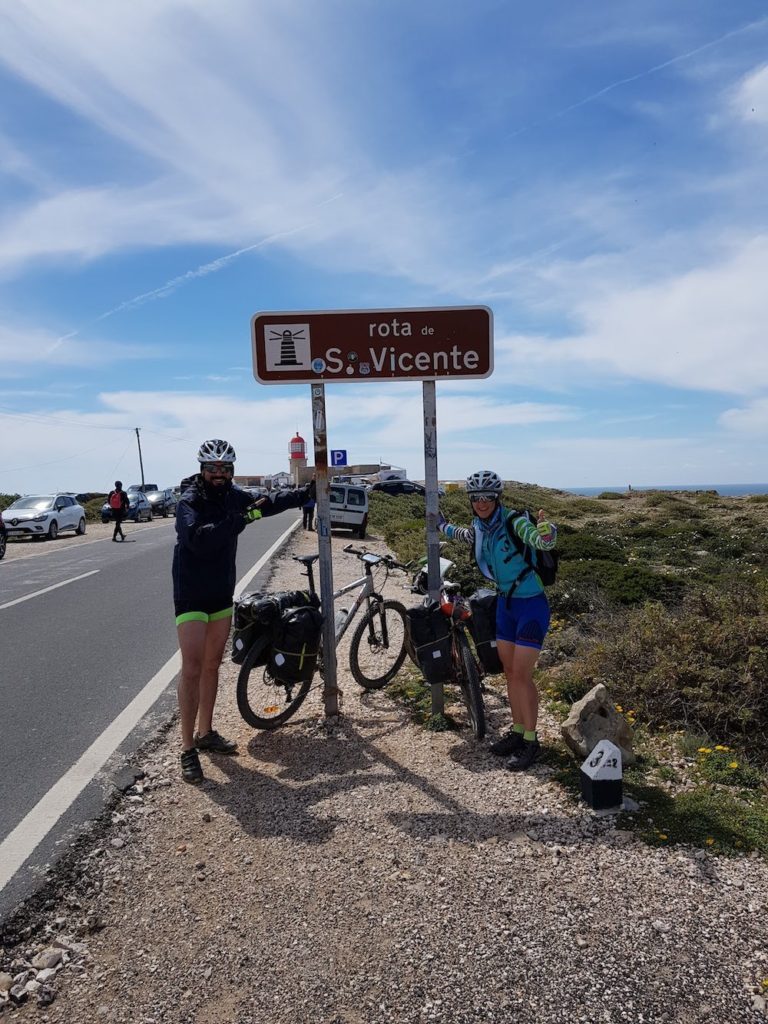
[[375, 344]]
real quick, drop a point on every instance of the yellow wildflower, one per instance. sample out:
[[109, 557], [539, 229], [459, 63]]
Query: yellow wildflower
[[734, 764], [619, 708], [764, 982], [721, 747], [662, 836], [710, 841], [705, 750]]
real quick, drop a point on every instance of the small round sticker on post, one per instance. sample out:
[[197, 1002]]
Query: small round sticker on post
[[318, 365]]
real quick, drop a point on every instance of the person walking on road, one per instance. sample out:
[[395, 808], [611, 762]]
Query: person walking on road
[[212, 512], [498, 537], [308, 512], [118, 502]]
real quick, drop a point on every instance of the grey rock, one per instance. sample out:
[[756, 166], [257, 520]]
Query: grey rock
[[594, 718], [47, 959], [6, 982]]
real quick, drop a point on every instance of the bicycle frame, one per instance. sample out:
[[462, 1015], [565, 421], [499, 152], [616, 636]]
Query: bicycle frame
[[364, 584]]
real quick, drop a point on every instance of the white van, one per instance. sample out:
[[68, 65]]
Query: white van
[[349, 508]]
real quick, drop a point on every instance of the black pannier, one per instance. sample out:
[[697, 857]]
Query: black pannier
[[430, 637], [293, 655], [482, 626], [257, 614]]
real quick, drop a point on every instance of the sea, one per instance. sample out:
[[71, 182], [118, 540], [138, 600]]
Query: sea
[[726, 490]]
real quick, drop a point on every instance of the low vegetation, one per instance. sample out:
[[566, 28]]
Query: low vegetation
[[663, 597]]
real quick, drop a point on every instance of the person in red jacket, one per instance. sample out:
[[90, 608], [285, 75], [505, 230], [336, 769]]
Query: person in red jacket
[[118, 502]]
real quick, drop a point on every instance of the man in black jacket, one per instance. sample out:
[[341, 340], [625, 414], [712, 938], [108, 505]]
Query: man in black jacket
[[210, 515]]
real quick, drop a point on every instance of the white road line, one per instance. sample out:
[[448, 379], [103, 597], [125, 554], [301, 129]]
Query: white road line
[[46, 590], [30, 832]]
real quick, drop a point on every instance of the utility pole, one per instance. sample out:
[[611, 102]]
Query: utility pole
[[141, 464]]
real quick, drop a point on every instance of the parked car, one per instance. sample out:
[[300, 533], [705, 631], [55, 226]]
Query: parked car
[[3, 537], [397, 487], [349, 508], [163, 502], [44, 515], [138, 508], [144, 487]]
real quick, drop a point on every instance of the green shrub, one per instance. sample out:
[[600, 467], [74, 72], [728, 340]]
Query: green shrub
[[701, 667], [585, 545], [612, 496], [7, 499], [621, 584]]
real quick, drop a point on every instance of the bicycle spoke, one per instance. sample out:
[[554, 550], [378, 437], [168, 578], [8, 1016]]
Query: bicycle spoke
[[378, 646]]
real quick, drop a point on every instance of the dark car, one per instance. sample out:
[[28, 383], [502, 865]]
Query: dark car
[[163, 502], [3, 537], [397, 487], [138, 508]]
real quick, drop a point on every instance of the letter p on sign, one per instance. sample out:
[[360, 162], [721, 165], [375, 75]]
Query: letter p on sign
[[338, 458]]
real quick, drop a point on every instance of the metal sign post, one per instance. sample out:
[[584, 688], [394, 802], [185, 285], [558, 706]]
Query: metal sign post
[[433, 542], [323, 513]]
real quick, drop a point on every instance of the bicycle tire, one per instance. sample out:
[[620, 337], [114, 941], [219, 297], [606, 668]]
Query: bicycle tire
[[468, 679], [378, 648], [256, 697]]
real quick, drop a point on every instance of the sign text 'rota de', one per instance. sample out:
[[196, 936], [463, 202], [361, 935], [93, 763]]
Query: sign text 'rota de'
[[374, 344]]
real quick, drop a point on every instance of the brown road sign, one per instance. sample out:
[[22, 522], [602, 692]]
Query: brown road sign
[[373, 344]]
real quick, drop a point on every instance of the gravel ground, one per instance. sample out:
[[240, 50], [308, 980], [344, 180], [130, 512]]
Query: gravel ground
[[369, 871]]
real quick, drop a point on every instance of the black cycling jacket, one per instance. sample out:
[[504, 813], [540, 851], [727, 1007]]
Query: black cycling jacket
[[207, 527]]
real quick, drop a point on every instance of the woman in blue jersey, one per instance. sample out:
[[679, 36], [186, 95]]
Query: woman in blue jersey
[[210, 516], [497, 537]]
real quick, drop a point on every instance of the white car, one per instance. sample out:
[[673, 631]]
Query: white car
[[44, 515]]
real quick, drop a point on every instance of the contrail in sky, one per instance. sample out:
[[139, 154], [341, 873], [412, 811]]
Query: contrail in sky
[[640, 74], [176, 282]]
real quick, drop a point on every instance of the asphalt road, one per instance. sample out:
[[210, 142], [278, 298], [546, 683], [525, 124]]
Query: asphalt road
[[84, 628]]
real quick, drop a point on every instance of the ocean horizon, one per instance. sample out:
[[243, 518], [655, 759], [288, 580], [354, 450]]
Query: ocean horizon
[[726, 490]]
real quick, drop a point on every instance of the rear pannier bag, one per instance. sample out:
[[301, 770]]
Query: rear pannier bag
[[482, 626], [293, 656], [430, 638], [257, 614]]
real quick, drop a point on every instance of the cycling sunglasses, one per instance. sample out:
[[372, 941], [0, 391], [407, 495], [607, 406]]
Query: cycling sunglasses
[[484, 496], [218, 467]]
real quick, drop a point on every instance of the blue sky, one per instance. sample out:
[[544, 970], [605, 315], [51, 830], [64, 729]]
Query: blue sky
[[593, 172]]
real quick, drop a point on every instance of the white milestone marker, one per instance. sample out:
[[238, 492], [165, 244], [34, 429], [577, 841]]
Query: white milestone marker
[[601, 776]]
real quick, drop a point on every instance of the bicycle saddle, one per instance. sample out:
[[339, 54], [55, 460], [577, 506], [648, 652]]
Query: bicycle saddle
[[306, 559]]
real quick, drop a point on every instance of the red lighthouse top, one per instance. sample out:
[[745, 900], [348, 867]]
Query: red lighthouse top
[[298, 447]]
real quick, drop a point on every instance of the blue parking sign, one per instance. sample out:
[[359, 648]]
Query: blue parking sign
[[338, 458]]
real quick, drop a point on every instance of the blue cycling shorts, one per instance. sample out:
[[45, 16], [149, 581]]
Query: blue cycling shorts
[[522, 620]]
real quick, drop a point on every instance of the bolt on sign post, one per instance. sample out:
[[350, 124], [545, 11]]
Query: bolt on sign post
[[356, 345]]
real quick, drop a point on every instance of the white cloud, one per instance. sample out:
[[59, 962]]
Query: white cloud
[[750, 99], [702, 329], [24, 348], [751, 419]]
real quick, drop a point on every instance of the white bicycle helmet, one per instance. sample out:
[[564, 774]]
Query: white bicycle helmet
[[485, 481], [216, 450]]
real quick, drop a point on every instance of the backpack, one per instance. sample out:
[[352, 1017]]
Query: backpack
[[430, 638], [543, 563], [116, 500], [482, 626]]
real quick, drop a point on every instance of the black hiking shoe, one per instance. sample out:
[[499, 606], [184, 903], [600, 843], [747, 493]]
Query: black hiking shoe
[[190, 766], [215, 743], [512, 743], [527, 756]]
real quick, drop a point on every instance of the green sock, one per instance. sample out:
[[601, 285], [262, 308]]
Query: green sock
[[529, 735], [518, 728]]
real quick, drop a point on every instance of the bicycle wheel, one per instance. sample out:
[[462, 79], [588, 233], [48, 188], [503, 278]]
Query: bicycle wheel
[[468, 678], [264, 702], [378, 646]]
